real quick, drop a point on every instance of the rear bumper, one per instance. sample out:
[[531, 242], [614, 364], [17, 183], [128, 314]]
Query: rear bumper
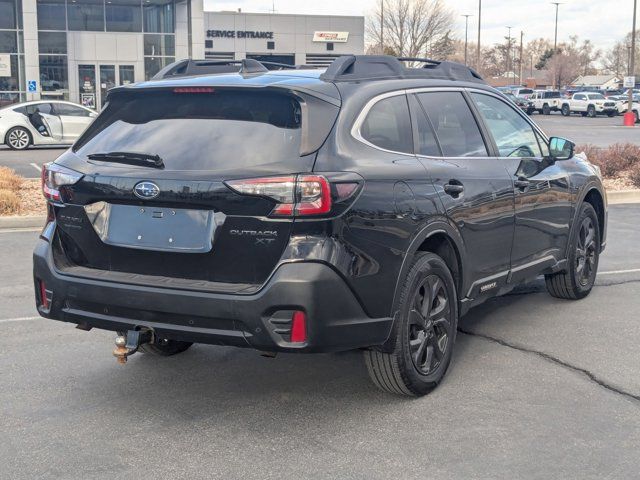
[[335, 319]]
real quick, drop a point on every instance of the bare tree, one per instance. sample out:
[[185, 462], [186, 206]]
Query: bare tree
[[412, 28], [617, 60]]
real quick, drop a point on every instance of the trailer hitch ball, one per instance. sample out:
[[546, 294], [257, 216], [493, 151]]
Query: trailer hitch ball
[[129, 343], [121, 352]]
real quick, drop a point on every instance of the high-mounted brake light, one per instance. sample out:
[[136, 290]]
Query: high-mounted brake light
[[301, 195], [193, 90], [55, 176]]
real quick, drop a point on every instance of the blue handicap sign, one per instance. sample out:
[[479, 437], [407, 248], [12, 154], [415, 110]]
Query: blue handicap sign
[[32, 86]]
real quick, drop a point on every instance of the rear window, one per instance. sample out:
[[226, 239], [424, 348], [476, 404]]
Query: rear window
[[551, 94], [199, 131]]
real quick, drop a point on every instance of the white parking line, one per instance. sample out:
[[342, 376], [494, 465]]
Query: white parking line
[[18, 319], [36, 166], [618, 272]]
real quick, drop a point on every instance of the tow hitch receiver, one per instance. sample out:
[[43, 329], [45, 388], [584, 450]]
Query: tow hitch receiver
[[129, 343]]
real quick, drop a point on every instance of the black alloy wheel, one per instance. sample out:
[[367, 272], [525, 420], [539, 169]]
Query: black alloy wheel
[[586, 255], [421, 344], [577, 280], [429, 325]]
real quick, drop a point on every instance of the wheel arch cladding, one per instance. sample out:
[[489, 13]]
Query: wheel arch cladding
[[442, 245], [594, 197]]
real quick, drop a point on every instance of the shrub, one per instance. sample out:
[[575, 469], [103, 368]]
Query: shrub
[[634, 175], [614, 160], [9, 202]]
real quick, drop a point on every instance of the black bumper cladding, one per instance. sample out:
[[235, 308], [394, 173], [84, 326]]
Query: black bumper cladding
[[336, 320]]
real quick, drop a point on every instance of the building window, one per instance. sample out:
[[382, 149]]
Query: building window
[[153, 65], [159, 16], [159, 45], [271, 45], [52, 15], [54, 77], [52, 43], [11, 14], [12, 79], [330, 46], [86, 15], [123, 15]]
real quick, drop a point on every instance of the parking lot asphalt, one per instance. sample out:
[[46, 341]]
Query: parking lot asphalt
[[599, 131], [539, 388]]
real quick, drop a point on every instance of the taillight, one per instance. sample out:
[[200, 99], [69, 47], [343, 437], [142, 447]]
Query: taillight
[[301, 195], [55, 176]]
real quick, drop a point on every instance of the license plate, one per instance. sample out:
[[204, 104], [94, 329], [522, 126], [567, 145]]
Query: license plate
[[153, 228]]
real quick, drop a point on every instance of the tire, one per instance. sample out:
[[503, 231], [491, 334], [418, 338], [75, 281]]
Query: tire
[[18, 138], [591, 111], [582, 262], [164, 347], [424, 333], [546, 110], [637, 116], [566, 111]]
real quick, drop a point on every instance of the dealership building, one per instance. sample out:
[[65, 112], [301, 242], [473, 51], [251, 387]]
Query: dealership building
[[78, 49]]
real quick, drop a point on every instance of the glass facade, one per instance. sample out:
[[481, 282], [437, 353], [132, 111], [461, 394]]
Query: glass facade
[[12, 81]]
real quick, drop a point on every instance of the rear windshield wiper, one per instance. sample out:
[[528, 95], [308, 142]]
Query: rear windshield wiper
[[130, 158]]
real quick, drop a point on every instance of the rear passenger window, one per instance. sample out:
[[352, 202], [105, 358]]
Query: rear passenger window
[[388, 125], [454, 124]]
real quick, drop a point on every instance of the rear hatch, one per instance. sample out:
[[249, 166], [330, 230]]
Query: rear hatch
[[162, 193]]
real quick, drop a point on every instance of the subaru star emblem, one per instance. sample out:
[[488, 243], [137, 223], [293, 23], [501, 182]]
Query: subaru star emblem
[[146, 190]]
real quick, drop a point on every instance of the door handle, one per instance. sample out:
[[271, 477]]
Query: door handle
[[522, 183], [453, 189]]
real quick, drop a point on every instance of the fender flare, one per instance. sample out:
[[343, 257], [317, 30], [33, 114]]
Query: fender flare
[[592, 184], [440, 225]]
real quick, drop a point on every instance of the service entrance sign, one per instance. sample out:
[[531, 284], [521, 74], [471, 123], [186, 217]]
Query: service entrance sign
[[5, 65], [629, 82]]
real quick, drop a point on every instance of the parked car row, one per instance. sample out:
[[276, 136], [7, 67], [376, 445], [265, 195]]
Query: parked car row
[[46, 122], [588, 104]]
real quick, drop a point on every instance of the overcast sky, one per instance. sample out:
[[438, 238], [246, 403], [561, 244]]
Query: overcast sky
[[604, 22]]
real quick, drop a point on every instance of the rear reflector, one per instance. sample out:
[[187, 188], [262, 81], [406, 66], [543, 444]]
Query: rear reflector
[[43, 294], [299, 327]]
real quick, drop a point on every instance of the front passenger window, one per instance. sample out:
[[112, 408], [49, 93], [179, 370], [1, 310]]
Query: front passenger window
[[513, 135], [388, 125]]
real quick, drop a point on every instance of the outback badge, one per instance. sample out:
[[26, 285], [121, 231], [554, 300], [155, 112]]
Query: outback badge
[[146, 190]]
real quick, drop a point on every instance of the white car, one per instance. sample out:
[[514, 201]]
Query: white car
[[44, 122]]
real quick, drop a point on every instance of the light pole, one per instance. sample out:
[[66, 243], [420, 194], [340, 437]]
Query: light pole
[[466, 35], [381, 27], [479, 22], [629, 117], [521, 51], [555, 38], [508, 51]]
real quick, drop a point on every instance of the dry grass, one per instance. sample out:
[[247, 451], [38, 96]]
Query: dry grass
[[9, 192]]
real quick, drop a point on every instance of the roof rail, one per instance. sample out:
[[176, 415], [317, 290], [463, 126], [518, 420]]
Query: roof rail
[[380, 67]]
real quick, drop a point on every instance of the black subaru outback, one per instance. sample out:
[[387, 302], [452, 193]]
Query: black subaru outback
[[367, 206]]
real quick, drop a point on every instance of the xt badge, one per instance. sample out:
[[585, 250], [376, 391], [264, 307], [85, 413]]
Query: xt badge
[[262, 237]]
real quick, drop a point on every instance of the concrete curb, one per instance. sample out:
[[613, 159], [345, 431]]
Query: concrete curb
[[37, 221], [27, 221], [623, 196]]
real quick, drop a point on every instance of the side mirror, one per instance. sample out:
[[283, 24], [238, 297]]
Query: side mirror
[[561, 148]]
